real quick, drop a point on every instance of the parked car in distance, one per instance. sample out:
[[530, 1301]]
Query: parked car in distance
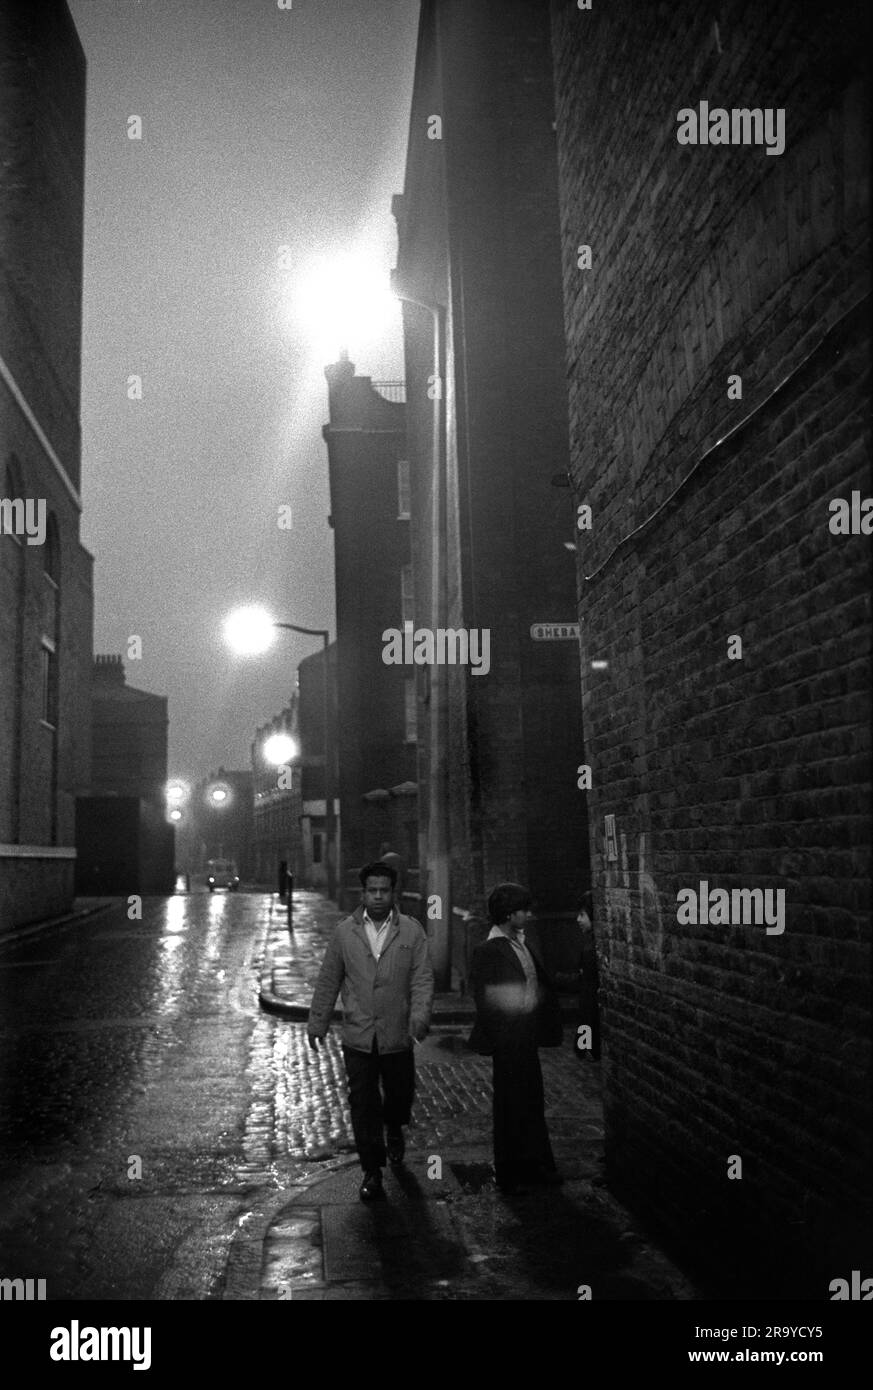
[[221, 873]]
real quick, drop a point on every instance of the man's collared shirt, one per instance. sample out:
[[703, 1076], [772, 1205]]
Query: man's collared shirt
[[531, 986], [376, 935]]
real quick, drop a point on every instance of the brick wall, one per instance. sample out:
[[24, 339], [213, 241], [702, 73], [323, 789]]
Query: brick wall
[[42, 127], [709, 261], [365, 439], [42, 153]]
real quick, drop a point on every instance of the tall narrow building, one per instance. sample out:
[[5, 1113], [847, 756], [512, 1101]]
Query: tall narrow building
[[479, 273], [376, 726], [46, 604]]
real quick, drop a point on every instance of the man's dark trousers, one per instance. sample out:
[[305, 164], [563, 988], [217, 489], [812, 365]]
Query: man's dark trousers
[[369, 1114], [521, 1137]]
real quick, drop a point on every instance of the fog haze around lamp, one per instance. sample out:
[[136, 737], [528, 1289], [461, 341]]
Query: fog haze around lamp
[[218, 795], [280, 749], [176, 814], [340, 301], [249, 631], [177, 792]]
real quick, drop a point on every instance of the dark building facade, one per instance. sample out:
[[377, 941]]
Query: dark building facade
[[277, 809], [377, 705], [129, 735], [124, 841], [479, 271], [718, 344], [46, 604]]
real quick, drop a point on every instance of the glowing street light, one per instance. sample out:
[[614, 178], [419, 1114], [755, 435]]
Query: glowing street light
[[249, 631], [176, 793], [218, 795], [175, 814], [342, 300], [279, 749]]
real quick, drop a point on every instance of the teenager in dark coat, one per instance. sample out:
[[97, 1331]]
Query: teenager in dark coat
[[517, 1012]]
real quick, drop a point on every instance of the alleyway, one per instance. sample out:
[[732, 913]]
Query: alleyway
[[123, 1040]]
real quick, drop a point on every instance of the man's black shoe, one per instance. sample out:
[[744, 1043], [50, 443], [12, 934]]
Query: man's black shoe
[[371, 1187], [395, 1144]]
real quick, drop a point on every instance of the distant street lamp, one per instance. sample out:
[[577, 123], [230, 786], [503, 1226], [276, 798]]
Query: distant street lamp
[[175, 814], [279, 749], [250, 631], [218, 795]]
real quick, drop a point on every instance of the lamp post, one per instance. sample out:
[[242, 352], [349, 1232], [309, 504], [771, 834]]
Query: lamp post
[[279, 750], [249, 631], [438, 857]]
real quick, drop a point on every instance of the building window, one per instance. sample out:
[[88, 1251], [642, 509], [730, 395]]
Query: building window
[[50, 623], [406, 596], [49, 685], [12, 513], [403, 494], [411, 711], [316, 848]]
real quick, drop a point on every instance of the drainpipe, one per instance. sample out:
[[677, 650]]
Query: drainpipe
[[439, 836]]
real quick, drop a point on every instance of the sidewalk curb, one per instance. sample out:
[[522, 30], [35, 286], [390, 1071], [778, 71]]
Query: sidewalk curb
[[22, 933]]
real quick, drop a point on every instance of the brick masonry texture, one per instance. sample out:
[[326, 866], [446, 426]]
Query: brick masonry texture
[[709, 261], [42, 130]]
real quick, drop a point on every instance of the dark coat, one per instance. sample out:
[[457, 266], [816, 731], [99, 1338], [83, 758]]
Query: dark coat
[[497, 980]]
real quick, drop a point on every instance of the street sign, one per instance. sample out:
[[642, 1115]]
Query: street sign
[[554, 632]]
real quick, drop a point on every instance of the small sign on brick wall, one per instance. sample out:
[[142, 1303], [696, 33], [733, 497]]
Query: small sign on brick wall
[[554, 632], [611, 841]]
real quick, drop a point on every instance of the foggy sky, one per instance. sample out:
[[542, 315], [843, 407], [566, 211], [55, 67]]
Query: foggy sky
[[262, 128]]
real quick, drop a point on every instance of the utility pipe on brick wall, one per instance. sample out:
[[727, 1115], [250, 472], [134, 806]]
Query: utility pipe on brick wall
[[438, 866]]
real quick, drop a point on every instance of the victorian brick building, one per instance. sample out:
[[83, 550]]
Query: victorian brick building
[[377, 706], [717, 315], [46, 577]]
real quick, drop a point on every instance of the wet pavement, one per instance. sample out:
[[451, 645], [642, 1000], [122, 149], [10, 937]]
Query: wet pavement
[[164, 1137]]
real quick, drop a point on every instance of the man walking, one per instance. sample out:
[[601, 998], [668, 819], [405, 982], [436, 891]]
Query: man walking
[[517, 1012], [379, 960]]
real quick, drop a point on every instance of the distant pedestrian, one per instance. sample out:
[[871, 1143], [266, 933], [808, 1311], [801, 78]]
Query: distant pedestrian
[[517, 1012], [379, 960], [389, 856]]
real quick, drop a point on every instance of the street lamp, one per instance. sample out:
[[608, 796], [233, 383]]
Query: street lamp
[[341, 299], [249, 632], [279, 749], [176, 793], [439, 881]]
